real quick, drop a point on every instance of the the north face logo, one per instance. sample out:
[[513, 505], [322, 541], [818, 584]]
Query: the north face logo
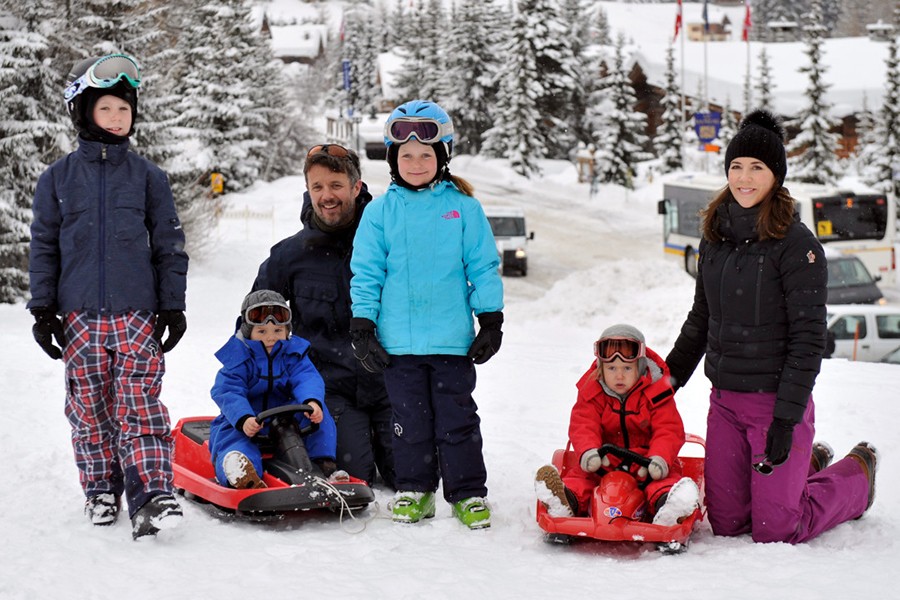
[[453, 214]]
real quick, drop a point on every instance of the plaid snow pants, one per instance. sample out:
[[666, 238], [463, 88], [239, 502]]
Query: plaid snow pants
[[120, 429]]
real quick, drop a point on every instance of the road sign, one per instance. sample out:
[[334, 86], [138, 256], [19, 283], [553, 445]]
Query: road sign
[[706, 124]]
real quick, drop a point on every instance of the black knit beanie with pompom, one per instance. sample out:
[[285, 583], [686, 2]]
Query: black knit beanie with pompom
[[760, 136]]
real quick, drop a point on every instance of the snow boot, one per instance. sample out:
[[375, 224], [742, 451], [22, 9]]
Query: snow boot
[[339, 476], [553, 494], [160, 512], [240, 471], [474, 513], [412, 507], [822, 455], [680, 503], [867, 456], [102, 509]]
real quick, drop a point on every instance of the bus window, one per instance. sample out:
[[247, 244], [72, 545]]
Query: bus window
[[689, 217], [850, 217], [685, 206]]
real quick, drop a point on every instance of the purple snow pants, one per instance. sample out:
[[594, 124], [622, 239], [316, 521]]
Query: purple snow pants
[[793, 504]]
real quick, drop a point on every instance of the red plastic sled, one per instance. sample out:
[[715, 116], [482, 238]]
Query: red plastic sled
[[607, 521], [288, 489]]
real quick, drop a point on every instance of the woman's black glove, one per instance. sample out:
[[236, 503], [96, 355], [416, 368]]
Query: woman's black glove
[[489, 337], [174, 321], [47, 327], [366, 348], [778, 441]]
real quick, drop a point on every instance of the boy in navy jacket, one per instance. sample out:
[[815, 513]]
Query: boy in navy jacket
[[108, 272]]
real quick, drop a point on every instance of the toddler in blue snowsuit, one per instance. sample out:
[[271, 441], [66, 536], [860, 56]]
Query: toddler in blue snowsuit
[[264, 367]]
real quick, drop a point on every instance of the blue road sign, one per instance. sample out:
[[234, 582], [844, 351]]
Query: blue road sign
[[706, 124]]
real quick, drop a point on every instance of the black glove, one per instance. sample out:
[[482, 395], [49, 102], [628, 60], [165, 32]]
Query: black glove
[[778, 441], [47, 326], [487, 342], [175, 322], [366, 348]]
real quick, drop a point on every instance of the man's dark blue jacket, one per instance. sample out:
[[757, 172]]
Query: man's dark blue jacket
[[312, 270]]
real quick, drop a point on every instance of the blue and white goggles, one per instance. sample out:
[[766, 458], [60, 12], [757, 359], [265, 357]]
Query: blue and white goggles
[[105, 73]]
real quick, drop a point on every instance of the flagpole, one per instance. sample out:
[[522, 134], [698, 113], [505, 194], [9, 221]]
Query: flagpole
[[683, 98], [705, 74], [706, 69], [679, 25], [749, 87], [746, 35]]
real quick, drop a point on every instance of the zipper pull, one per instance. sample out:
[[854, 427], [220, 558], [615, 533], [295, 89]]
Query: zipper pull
[[103, 152]]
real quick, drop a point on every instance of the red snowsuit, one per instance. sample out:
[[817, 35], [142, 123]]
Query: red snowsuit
[[646, 422]]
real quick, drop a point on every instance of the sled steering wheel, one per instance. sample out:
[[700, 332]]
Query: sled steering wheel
[[288, 411], [628, 458]]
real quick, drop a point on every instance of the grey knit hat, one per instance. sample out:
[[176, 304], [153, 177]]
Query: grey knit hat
[[621, 330], [261, 298], [629, 332], [760, 136]]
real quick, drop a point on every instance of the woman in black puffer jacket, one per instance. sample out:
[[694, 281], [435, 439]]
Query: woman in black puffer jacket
[[759, 316]]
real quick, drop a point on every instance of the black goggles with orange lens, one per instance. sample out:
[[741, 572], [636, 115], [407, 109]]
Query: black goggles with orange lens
[[335, 150], [260, 314], [611, 348]]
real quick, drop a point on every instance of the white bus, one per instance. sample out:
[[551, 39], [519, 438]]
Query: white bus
[[859, 223]]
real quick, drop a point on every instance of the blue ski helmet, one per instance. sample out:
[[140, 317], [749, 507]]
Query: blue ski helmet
[[429, 124], [426, 121]]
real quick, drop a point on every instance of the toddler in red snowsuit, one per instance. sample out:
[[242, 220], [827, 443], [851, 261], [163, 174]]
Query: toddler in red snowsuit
[[624, 399]]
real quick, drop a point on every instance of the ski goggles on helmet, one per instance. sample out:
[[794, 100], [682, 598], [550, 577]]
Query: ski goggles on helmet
[[334, 150], [260, 314], [609, 349], [105, 73], [427, 131]]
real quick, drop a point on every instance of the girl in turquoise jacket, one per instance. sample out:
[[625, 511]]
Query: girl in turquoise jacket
[[424, 262]]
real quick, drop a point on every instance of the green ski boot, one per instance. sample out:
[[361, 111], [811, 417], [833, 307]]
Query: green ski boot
[[412, 507], [474, 513]]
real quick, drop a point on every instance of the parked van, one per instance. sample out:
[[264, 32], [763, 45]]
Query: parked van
[[511, 236], [863, 332]]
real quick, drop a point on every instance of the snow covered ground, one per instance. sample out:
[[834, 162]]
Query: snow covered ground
[[594, 262]]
